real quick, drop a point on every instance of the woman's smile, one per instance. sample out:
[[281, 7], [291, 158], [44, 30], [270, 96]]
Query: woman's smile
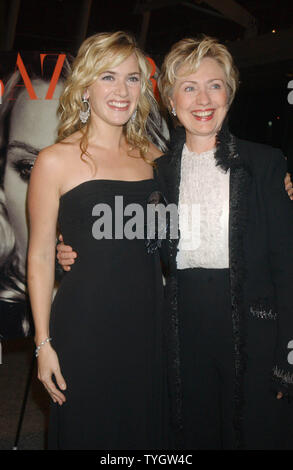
[[119, 105], [203, 115]]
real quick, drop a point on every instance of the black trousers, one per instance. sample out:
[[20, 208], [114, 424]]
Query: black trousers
[[207, 366], [207, 358]]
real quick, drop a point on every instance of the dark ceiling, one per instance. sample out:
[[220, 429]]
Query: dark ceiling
[[263, 52], [54, 24]]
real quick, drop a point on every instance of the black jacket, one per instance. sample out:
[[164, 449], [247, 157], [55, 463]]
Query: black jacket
[[260, 263]]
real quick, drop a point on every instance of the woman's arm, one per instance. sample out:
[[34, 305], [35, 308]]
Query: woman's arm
[[43, 204]]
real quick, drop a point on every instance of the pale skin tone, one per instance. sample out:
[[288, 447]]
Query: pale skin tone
[[58, 168], [201, 103]]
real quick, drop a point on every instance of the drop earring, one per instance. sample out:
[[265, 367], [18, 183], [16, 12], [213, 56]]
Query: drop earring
[[133, 116], [84, 115], [173, 111]]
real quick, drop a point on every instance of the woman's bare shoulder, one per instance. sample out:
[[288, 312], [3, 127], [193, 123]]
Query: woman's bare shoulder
[[48, 156], [72, 139], [57, 154]]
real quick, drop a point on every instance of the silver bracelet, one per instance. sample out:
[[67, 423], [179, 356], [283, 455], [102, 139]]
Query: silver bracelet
[[41, 344]]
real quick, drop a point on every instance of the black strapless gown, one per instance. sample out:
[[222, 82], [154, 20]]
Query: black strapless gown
[[106, 325]]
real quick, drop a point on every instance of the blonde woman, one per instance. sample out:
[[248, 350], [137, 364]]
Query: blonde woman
[[99, 348]]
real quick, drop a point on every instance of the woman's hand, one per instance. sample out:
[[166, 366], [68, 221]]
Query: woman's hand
[[289, 186], [65, 255], [279, 395], [48, 365]]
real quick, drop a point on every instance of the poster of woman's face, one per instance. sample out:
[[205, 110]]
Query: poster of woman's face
[[26, 126]]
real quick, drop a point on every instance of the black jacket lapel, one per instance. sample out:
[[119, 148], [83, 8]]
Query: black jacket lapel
[[228, 157]]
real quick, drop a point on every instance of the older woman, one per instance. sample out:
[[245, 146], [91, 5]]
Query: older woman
[[231, 271]]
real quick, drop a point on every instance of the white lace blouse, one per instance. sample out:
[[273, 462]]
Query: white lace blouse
[[203, 212]]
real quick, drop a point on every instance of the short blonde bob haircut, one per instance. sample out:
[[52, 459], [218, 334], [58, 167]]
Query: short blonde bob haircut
[[190, 52], [97, 54]]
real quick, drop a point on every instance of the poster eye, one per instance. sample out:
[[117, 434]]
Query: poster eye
[[24, 169]]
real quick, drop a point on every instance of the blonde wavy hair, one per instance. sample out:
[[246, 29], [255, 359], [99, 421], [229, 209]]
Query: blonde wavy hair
[[96, 54], [190, 52]]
